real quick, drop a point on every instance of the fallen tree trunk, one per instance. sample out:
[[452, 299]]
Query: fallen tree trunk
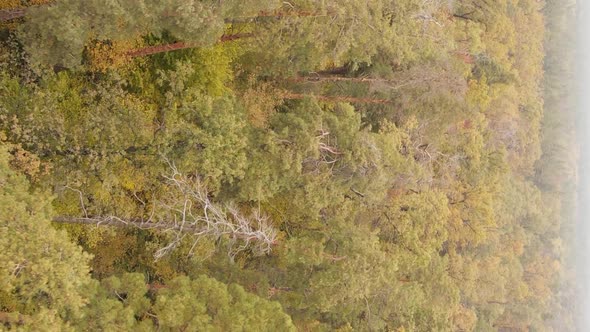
[[187, 210]]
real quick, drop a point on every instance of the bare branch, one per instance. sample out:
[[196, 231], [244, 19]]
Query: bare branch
[[81, 195], [187, 210]]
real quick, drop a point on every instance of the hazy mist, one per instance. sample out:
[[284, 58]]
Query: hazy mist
[[583, 105]]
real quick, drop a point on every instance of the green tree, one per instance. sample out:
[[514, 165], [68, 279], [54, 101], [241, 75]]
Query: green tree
[[204, 303], [57, 34], [44, 276]]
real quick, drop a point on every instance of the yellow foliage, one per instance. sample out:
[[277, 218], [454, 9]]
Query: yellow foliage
[[9, 4], [213, 67], [113, 249], [260, 101], [39, 2], [28, 163], [14, 4], [91, 236], [8, 302], [308, 325], [345, 328], [106, 55], [478, 94], [130, 178]]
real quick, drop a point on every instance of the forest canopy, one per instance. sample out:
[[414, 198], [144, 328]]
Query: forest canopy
[[260, 165]]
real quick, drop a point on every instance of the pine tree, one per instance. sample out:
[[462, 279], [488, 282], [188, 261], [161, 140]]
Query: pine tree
[[44, 276]]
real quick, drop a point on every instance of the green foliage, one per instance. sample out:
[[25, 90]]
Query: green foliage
[[42, 274], [436, 199], [57, 34], [205, 303]]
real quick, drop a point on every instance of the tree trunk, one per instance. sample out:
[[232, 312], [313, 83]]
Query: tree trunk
[[150, 50], [116, 222], [273, 16], [331, 78], [338, 71], [11, 14], [175, 215], [122, 223], [337, 99], [145, 51]]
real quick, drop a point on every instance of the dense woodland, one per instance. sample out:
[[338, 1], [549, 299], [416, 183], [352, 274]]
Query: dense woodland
[[262, 165]]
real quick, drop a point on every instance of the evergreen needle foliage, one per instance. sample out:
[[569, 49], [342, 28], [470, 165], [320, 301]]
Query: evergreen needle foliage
[[261, 165]]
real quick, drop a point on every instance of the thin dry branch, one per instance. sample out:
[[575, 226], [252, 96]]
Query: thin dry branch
[[187, 211]]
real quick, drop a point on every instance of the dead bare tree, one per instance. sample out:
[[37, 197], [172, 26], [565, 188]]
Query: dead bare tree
[[187, 212]]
